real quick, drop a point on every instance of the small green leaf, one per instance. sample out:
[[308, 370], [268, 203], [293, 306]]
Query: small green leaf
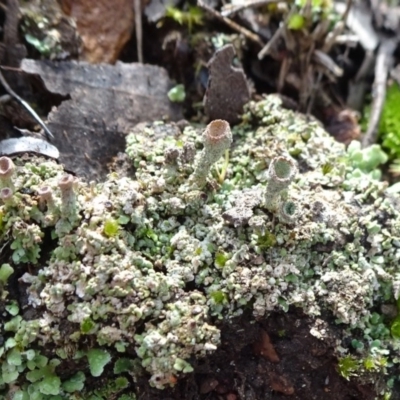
[[296, 22], [120, 347], [30, 354], [9, 373], [21, 395], [34, 392], [14, 357], [41, 361], [177, 94], [218, 297], [13, 325], [35, 375], [5, 271], [375, 318], [75, 383], [50, 385], [357, 344], [12, 308], [121, 383], [10, 343], [395, 328], [97, 359], [182, 365], [123, 365], [123, 219], [87, 325]]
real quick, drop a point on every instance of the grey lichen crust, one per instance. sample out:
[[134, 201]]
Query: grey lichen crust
[[136, 272]]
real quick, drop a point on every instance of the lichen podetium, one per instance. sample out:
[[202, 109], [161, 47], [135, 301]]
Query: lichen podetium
[[105, 274]]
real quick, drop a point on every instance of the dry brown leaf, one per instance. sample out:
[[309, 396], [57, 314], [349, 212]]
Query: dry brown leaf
[[107, 101], [104, 26]]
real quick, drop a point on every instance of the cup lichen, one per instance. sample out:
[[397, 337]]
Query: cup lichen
[[7, 169], [281, 173], [217, 138], [146, 291]]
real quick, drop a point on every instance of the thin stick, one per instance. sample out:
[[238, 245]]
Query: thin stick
[[313, 94], [383, 62], [233, 25], [267, 48], [349, 3], [284, 70], [25, 105], [137, 6], [323, 59], [337, 30]]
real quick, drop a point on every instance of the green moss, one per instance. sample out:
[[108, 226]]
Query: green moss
[[221, 258], [218, 297], [111, 227], [193, 16], [389, 126], [266, 240], [87, 325], [348, 366], [327, 168]]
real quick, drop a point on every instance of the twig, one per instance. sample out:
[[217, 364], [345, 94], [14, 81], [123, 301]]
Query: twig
[[347, 11], [323, 59], [281, 31], [383, 62], [313, 93], [137, 6], [337, 30], [31, 111], [366, 66], [348, 39], [230, 9], [283, 72], [267, 48], [233, 25]]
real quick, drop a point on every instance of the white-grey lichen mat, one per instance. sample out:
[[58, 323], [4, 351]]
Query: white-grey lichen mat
[[270, 214]]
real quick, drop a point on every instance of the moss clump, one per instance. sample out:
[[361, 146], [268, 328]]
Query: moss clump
[[389, 126], [111, 227]]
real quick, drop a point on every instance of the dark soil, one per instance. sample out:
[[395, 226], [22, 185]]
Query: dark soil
[[306, 367]]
